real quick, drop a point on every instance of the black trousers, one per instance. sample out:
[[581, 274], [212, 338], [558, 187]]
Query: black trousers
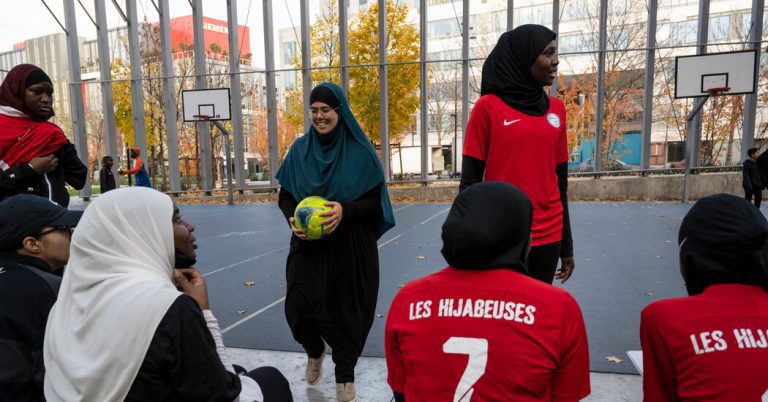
[[274, 386], [542, 261], [758, 196], [311, 331]]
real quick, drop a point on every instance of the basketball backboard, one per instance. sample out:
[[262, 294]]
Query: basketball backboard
[[214, 103], [695, 75]]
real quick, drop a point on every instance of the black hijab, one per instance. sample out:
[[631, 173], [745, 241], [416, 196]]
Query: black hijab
[[723, 240], [489, 226], [507, 70]]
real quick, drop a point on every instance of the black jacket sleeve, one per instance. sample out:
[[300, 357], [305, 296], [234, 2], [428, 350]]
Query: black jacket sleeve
[[182, 363], [566, 245], [75, 173], [15, 180], [102, 180], [367, 207], [472, 170], [286, 202]]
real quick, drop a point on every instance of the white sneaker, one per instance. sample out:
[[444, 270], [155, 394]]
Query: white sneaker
[[345, 392], [315, 367]]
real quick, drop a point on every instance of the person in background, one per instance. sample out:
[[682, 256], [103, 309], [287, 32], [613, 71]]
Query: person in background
[[517, 134], [35, 155], [142, 177], [751, 181], [713, 344], [34, 247], [762, 167], [333, 283], [106, 177], [482, 329], [127, 326]]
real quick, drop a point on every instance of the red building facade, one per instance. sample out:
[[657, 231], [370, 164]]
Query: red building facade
[[215, 36]]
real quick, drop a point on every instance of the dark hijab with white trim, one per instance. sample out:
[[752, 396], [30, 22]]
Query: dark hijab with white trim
[[489, 226], [723, 240], [507, 70]]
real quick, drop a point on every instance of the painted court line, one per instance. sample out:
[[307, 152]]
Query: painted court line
[[436, 215], [244, 261], [254, 314], [403, 207], [390, 241]]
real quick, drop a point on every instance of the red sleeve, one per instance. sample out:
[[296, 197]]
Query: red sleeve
[[562, 151], [478, 134], [659, 382], [395, 364], [571, 383], [137, 164]]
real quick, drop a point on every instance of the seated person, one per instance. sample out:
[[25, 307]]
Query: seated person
[[481, 329], [128, 326], [34, 243], [35, 155], [713, 344]]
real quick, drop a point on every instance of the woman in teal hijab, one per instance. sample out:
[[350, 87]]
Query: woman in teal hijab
[[333, 283]]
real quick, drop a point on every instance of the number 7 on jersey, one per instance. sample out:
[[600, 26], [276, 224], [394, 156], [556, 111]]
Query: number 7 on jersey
[[477, 349]]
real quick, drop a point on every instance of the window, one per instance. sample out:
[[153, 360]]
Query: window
[[678, 33], [447, 28], [571, 10], [671, 3], [618, 7], [719, 27], [578, 43], [618, 38], [289, 51], [675, 151], [443, 28], [445, 55], [541, 14], [290, 80]]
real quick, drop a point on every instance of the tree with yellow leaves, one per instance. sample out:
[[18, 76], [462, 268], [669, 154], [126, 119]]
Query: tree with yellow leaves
[[402, 47], [364, 95]]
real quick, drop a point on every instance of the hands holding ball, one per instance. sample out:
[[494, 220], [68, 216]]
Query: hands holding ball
[[315, 218]]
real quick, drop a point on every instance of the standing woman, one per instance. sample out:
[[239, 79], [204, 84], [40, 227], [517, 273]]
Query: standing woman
[[333, 283], [517, 134], [35, 155]]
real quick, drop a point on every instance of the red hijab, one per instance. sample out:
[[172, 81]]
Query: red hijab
[[23, 138]]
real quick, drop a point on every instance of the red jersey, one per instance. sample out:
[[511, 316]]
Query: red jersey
[[494, 335], [524, 152], [709, 347]]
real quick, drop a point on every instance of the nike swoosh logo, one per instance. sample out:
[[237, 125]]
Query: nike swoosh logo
[[506, 123]]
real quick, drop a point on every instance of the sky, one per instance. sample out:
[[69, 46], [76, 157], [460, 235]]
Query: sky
[[27, 19]]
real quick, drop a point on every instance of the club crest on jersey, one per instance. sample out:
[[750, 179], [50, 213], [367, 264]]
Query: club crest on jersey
[[554, 120]]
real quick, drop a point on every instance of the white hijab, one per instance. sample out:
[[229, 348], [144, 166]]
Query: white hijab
[[116, 289]]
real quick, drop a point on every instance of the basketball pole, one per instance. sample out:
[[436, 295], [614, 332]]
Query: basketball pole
[[699, 103], [691, 148], [230, 197]]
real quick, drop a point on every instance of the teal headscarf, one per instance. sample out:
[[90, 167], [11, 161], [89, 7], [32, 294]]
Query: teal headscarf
[[342, 167]]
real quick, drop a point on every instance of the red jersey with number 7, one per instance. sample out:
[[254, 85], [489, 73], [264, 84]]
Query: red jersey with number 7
[[492, 335], [708, 347]]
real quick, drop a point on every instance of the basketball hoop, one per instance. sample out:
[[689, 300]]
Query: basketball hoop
[[205, 117], [718, 91]]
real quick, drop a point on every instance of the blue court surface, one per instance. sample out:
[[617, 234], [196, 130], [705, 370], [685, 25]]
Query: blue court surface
[[626, 257]]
